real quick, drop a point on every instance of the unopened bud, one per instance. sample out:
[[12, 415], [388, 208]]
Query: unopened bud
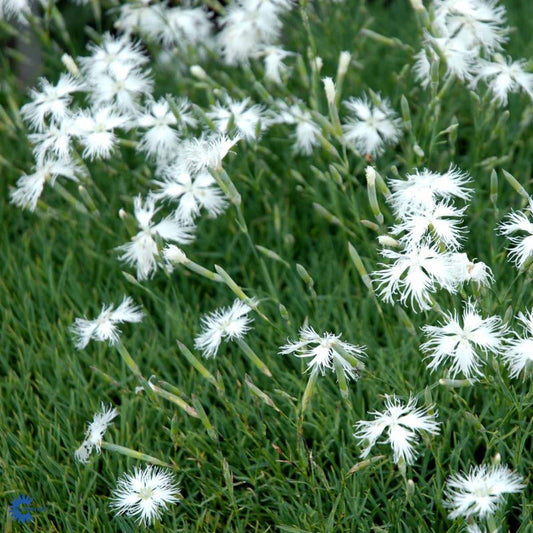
[[174, 255], [329, 87], [344, 63], [198, 72], [70, 65], [387, 240]]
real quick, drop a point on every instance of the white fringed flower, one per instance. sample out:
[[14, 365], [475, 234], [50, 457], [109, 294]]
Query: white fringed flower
[[307, 132], [480, 492], [519, 223], [371, 126], [226, 323], [470, 271], [326, 351], [145, 494], [423, 189], [110, 54], [192, 192], [441, 222], [504, 76], [401, 423], [95, 128], [95, 433], [249, 25], [518, 354], [246, 118], [462, 344], [414, 275], [205, 152], [50, 101], [104, 327], [143, 250], [30, 186]]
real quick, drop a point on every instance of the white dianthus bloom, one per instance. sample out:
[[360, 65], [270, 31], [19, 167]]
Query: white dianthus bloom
[[480, 492], [30, 186], [110, 54], [273, 57], [307, 131], [371, 126], [145, 494], [460, 58], [95, 433], [95, 130], [518, 354], [467, 270], [245, 118], [414, 275], [143, 250], [160, 139], [422, 66], [123, 88], [442, 222], [503, 77], [401, 422], [182, 26], [521, 248], [227, 323], [139, 17], [463, 344], [248, 25], [54, 142], [192, 192], [422, 189], [478, 23], [104, 327], [326, 351], [204, 152], [15, 9], [50, 101]]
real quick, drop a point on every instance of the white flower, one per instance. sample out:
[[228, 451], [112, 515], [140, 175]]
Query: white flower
[[104, 327], [55, 141], [95, 433], [521, 248], [481, 491], [442, 222], [204, 152], [422, 67], [95, 130], [503, 77], [246, 118], [51, 101], [30, 186], [247, 26], [145, 494], [460, 58], [476, 23], [112, 53], [401, 422], [122, 88], [143, 250], [328, 352], [372, 126], [422, 189], [274, 66], [307, 131], [160, 139], [462, 344], [182, 26], [225, 323], [16, 9], [518, 354], [415, 274], [192, 191], [467, 270]]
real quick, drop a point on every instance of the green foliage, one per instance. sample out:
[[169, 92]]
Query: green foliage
[[253, 470]]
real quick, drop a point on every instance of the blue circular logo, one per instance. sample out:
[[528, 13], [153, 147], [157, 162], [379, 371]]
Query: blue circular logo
[[20, 509]]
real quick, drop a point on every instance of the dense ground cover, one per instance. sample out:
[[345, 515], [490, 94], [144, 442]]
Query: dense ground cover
[[252, 452]]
